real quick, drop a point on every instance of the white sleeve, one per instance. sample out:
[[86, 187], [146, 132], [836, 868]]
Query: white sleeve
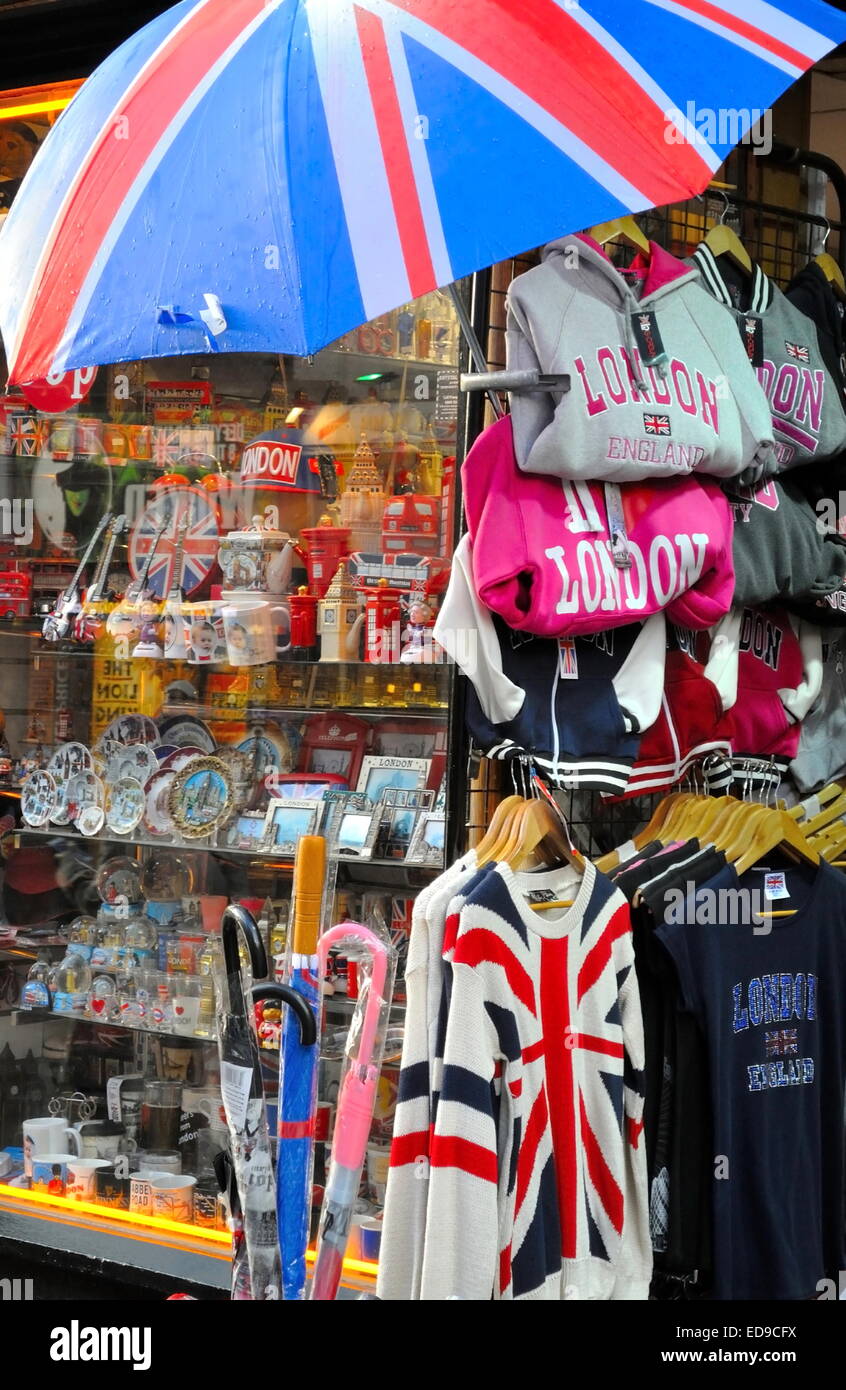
[[722, 665], [466, 632], [798, 702], [639, 683], [634, 1263]]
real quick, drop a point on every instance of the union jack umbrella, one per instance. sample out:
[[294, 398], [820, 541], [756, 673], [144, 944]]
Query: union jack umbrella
[[264, 175], [200, 541]]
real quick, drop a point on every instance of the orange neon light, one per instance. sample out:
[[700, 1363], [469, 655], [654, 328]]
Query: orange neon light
[[150, 1225], [34, 108]]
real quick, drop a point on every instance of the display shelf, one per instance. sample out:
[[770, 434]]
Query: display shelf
[[24, 1016], [272, 711]]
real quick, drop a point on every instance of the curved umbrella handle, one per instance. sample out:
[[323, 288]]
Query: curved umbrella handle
[[295, 1001], [234, 918]]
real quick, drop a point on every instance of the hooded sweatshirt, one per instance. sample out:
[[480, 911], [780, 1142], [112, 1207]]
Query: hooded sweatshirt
[[809, 421], [822, 742], [810, 292], [574, 707], [780, 551], [567, 559], [658, 387]]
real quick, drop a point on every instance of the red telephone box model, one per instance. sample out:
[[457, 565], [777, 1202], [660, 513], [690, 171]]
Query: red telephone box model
[[412, 522], [382, 624], [15, 594]]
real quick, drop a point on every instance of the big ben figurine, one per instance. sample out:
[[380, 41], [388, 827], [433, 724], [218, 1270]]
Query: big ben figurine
[[339, 618]]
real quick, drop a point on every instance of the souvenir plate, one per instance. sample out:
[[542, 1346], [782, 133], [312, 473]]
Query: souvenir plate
[[164, 751], [85, 789], [268, 748], [165, 877], [241, 767], [178, 757], [157, 818], [69, 759], [38, 797], [60, 814], [186, 731], [90, 820], [125, 802], [136, 761], [130, 728], [201, 796]]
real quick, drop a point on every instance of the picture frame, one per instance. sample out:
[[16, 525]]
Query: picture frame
[[287, 819], [379, 773], [398, 831], [335, 802], [427, 843], [245, 831], [354, 835], [334, 743], [399, 796]]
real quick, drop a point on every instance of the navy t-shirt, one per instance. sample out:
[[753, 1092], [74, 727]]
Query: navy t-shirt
[[770, 996]]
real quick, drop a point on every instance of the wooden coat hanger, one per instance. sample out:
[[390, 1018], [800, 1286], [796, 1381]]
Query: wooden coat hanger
[[535, 823], [775, 830], [611, 860], [497, 829], [723, 240], [832, 812], [829, 793], [621, 229]]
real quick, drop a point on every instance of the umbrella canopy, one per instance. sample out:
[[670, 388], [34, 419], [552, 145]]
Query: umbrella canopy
[[263, 175]]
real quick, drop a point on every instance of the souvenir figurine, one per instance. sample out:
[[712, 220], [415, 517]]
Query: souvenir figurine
[[382, 624], [327, 545], [417, 642], [363, 500], [339, 618]]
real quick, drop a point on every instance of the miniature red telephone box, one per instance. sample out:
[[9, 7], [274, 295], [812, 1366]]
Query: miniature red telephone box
[[382, 624]]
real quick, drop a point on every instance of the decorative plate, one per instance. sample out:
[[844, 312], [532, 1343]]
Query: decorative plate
[[85, 789], [164, 751], [157, 817], [38, 797], [268, 747], [180, 757], [125, 802], [131, 728], [201, 797], [187, 731], [136, 761], [69, 759], [90, 820]]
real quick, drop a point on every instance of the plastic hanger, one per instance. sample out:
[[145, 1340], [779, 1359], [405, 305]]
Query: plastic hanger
[[621, 229], [830, 268], [723, 240]]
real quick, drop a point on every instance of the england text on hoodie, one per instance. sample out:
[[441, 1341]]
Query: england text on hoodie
[[562, 560], [658, 386], [573, 707], [808, 418]]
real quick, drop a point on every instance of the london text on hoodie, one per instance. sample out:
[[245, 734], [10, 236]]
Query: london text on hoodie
[[808, 418], [549, 559], [573, 706], [658, 386]]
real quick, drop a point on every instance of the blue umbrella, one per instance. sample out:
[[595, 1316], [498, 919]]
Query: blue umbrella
[[263, 175]]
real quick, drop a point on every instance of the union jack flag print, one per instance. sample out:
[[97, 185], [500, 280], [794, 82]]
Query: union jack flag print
[[200, 542], [657, 424], [796, 350], [783, 1043], [364, 144], [537, 1141]]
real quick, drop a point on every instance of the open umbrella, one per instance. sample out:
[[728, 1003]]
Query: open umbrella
[[263, 175]]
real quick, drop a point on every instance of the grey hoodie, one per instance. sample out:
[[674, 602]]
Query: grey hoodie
[[822, 743], [780, 553], [700, 409], [808, 417]]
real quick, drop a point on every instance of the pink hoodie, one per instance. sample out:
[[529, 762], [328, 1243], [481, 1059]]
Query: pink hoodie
[[543, 559]]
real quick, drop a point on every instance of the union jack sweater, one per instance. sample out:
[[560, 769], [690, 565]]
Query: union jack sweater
[[537, 1177]]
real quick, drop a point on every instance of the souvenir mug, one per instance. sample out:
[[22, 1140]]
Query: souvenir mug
[[46, 1135], [204, 636], [50, 1173], [173, 1196], [141, 1190], [81, 1185], [174, 639], [250, 627]]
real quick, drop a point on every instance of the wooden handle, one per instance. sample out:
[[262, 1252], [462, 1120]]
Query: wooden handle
[[309, 878]]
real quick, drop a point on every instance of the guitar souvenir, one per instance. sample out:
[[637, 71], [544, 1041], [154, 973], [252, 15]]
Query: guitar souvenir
[[59, 623], [200, 541], [91, 620], [127, 619]]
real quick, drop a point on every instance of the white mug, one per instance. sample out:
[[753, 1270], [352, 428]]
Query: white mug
[[173, 631], [141, 1190], [81, 1178], [204, 635], [46, 1135], [173, 1197], [250, 627]]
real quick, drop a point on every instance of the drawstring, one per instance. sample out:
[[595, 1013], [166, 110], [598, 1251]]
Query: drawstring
[[631, 344]]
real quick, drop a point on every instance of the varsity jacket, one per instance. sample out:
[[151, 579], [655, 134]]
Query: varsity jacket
[[537, 1186], [574, 706], [691, 727], [821, 756], [808, 417], [647, 356], [770, 674], [574, 558], [780, 552]]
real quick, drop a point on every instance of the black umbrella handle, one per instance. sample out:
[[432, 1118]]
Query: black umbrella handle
[[237, 918], [296, 1001]]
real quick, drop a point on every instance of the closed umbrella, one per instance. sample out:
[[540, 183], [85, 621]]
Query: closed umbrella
[[263, 175]]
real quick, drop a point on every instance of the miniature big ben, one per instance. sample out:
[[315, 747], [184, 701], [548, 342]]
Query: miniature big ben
[[363, 501], [339, 618]]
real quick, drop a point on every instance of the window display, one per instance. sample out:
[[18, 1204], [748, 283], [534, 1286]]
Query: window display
[[217, 639]]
